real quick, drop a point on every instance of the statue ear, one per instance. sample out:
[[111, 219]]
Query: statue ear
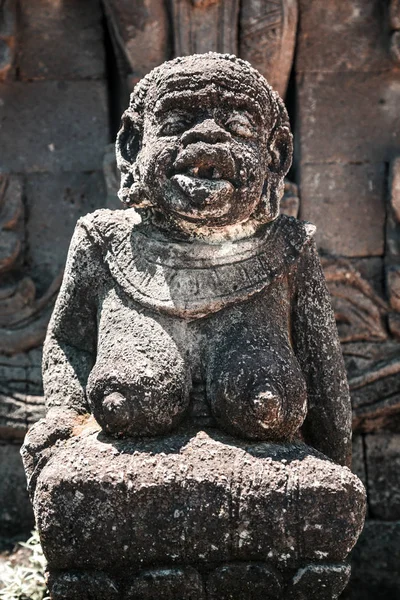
[[128, 145], [129, 141], [280, 149]]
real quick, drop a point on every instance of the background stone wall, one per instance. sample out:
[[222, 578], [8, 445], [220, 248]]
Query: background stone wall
[[66, 69]]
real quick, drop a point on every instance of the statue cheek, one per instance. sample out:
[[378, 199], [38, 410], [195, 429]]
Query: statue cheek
[[155, 166]]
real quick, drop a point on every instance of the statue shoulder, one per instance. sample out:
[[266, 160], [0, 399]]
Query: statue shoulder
[[104, 226], [294, 232]]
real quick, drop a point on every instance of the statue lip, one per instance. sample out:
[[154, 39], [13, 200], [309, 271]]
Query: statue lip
[[201, 189], [207, 163]]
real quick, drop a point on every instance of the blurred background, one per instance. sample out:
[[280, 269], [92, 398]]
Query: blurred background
[[66, 70]]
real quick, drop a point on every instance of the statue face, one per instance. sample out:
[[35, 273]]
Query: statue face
[[203, 155]]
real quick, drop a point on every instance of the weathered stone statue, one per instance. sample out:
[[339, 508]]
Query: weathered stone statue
[[197, 439]]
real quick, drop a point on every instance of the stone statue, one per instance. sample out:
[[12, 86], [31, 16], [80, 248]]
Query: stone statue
[[197, 439]]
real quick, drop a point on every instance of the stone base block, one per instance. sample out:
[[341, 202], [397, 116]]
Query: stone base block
[[235, 581], [200, 498]]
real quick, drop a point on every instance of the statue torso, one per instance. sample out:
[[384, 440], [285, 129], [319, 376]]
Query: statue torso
[[164, 299]]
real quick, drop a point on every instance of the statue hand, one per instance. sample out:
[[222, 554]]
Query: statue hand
[[42, 436]]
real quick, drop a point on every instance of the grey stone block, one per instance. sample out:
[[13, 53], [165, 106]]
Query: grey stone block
[[383, 464], [16, 514], [346, 203], [53, 126], [342, 36], [349, 117], [61, 40], [375, 563], [55, 202]]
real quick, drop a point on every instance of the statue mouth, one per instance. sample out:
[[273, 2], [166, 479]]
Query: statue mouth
[[205, 173]]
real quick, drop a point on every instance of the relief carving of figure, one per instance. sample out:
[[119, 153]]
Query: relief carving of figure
[[198, 430]]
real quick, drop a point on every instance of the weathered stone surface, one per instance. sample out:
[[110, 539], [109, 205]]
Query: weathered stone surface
[[359, 191], [63, 126], [394, 14], [343, 36], [18, 412], [203, 26], [8, 18], [319, 582], [394, 325], [16, 515], [82, 586], [375, 563], [371, 270], [254, 581], [395, 47], [11, 225], [140, 32], [61, 40], [393, 287], [360, 122], [55, 203], [383, 464], [21, 393], [392, 250], [373, 370], [359, 310], [358, 459], [192, 347], [185, 584], [267, 38], [156, 490]]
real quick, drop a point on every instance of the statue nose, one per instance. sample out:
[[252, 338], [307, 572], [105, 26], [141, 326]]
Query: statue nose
[[207, 131]]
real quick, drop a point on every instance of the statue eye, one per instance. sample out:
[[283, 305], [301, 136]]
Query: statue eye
[[174, 126], [241, 125]]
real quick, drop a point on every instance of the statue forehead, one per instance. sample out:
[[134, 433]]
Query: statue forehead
[[208, 81]]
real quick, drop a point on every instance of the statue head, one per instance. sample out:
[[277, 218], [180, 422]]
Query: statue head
[[205, 143]]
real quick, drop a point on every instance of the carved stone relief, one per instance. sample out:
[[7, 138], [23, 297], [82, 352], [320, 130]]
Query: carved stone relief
[[262, 32], [23, 316]]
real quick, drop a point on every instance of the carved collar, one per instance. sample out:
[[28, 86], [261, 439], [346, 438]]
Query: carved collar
[[194, 279]]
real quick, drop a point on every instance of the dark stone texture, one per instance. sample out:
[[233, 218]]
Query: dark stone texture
[[375, 563], [383, 464], [75, 25], [63, 126], [360, 189], [16, 515], [140, 32], [393, 287], [343, 36], [198, 409], [247, 582], [174, 501], [81, 586], [349, 117], [8, 19], [168, 584], [55, 202], [358, 459], [371, 269], [21, 393], [61, 40], [319, 582], [373, 370]]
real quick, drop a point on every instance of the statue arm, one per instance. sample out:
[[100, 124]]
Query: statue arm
[[69, 351], [327, 426]]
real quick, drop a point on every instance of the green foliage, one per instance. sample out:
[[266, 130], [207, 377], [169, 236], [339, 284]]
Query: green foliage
[[19, 582]]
